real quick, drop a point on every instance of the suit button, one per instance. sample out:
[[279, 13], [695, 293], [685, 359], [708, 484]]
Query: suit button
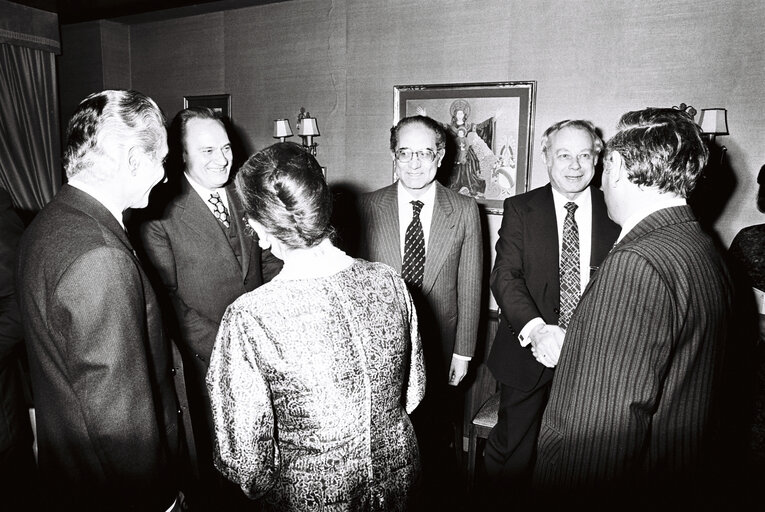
[[556, 311]]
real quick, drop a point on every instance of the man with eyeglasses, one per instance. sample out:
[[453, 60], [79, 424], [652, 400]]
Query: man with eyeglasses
[[550, 241], [432, 236]]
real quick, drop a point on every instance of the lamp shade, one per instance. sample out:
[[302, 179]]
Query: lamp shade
[[308, 127], [282, 128], [714, 121]]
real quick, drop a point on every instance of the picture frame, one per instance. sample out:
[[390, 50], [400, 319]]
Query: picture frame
[[490, 127], [219, 103]]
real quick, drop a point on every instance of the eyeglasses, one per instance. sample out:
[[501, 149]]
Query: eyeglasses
[[405, 155], [581, 158]]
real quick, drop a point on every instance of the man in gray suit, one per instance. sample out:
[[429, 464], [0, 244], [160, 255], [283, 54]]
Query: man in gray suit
[[432, 236], [107, 417], [632, 411], [203, 259]]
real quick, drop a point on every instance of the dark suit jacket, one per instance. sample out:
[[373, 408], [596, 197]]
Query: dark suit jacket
[[525, 278], [448, 306], [199, 275], [632, 396], [100, 364]]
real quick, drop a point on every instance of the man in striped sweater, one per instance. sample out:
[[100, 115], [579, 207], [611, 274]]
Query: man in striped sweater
[[631, 414]]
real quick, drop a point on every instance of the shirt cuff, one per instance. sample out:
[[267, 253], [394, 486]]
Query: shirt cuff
[[523, 337], [759, 297], [461, 358]]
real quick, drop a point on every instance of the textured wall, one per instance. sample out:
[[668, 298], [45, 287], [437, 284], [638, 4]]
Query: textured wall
[[340, 60]]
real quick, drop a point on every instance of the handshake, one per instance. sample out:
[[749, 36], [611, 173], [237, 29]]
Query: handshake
[[546, 342]]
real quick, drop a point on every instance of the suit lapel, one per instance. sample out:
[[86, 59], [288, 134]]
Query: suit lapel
[[198, 218], [390, 238], [541, 217], [600, 241], [441, 237], [237, 216]]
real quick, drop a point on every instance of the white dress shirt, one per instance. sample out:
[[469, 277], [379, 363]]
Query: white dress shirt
[[205, 193]]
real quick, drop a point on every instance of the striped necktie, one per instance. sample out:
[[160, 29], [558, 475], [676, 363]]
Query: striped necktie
[[570, 279]]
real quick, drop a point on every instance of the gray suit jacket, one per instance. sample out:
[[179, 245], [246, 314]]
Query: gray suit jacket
[[633, 393], [448, 305], [199, 275], [107, 418]]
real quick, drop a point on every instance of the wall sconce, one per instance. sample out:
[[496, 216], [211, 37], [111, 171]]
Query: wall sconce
[[713, 122], [282, 129], [307, 128]]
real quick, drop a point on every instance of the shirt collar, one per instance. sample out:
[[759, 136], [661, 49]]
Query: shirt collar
[[203, 192], [583, 199], [99, 196], [647, 210], [406, 197]]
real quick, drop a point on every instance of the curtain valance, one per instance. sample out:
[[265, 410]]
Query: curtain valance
[[29, 27]]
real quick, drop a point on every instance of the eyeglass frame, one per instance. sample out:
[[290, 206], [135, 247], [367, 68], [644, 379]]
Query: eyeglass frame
[[419, 153]]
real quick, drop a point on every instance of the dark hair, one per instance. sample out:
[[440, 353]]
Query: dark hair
[[580, 124], [661, 147], [283, 188], [424, 121], [177, 135], [106, 120]]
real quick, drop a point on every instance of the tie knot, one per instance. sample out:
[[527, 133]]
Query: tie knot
[[571, 207], [417, 207]]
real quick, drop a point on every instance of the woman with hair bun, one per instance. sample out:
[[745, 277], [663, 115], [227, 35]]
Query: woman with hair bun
[[313, 374]]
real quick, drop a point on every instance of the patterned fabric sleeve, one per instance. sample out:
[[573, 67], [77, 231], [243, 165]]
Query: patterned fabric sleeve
[[415, 389], [245, 448]]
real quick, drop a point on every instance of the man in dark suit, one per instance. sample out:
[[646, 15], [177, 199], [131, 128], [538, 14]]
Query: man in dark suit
[[631, 414], [204, 259], [107, 417], [527, 283], [432, 236], [17, 464]]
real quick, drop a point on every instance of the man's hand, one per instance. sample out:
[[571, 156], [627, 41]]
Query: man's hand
[[457, 370], [546, 342]]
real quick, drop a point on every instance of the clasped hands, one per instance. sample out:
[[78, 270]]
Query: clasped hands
[[546, 342]]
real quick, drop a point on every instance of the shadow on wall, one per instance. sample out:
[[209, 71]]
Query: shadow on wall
[[713, 190]]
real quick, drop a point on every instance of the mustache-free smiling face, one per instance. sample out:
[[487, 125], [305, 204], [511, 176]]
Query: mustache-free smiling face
[[207, 152], [570, 160]]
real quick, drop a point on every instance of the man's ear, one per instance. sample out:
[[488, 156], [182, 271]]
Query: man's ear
[[440, 157], [617, 165], [134, 157]]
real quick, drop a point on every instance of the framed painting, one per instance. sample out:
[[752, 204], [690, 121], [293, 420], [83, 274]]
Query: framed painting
[[489, 130], [219, 103]]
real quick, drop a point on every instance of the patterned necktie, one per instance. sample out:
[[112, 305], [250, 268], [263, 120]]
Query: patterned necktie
[[219, 209], [413, 266], [570, 279]]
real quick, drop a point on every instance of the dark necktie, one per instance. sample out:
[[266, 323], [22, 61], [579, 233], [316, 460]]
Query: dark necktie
[[219, 209], [413, 266], [570, 278]]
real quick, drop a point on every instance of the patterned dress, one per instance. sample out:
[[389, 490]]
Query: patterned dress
[[310, 382]]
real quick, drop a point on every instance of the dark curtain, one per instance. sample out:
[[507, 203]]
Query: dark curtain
[[30, 166]]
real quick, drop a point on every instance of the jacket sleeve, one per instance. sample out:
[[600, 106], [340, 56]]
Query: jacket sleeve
[[508, 278], [246, 451], [159, 251], [98, 309], [469, 280]]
